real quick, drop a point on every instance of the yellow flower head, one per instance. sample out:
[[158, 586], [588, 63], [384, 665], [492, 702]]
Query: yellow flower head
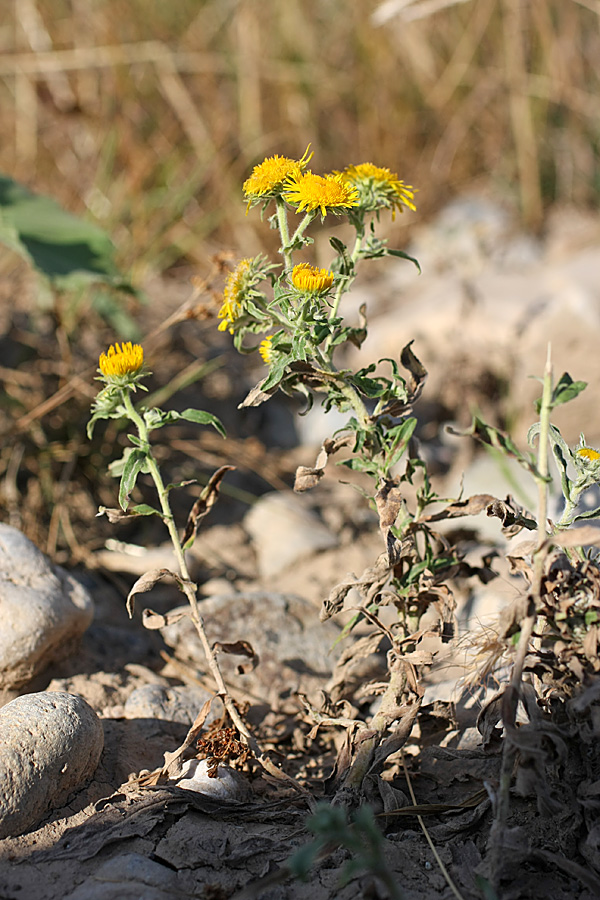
[[329, 193], [268, 177], [238, 282], [310, 280], [379, 188], [588, 453], [121, 361], [264, 348]]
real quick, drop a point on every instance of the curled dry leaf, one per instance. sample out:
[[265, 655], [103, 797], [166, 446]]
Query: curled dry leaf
[[308, 476], [146, 582], [239, 648], [115, 516], [257, 396], [368, 585], [172, 764], [203, 505], [153, 620], [418, 372]]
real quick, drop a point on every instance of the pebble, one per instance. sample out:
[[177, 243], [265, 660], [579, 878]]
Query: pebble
[[284, 530], [227, 784], [51, 746], [43, 609]]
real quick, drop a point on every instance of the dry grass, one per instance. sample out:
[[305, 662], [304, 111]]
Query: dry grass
[[148, 115]]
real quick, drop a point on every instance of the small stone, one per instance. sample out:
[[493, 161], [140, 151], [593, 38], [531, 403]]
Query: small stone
[[180, 703], [227, 784], [43, 610], [283, 530], [51, 746]]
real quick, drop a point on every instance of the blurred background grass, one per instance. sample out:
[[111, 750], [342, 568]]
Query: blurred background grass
[[148, 115]]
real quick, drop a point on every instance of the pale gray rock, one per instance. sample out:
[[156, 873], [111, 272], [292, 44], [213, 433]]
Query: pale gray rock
[[296, 651], [284, 529], [180, 703], [50, 747], [128, 877], [43, 610]]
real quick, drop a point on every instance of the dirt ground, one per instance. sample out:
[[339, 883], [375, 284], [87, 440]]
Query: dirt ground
[[119, 838]]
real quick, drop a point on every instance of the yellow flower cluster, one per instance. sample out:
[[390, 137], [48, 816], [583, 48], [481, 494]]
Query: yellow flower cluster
[[311, 280], [329, 193], [588, 453], [118, 361], [268, 177], [379, 187], [233, 293]]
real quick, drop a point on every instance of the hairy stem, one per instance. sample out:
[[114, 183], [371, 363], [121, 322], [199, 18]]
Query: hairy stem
[[188, 587]]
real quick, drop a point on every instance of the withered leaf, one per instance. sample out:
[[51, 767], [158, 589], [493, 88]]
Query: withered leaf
[[308, 476], [115, 516], [511, 515], [146, 582], [172, 764], [203, 505], [257, 396], [153, 620], [470, 507], [586, 535], [239, 648], [418, 372]]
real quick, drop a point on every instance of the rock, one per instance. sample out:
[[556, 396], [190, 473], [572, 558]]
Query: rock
[[284, 529], [43, 609], [180, 703], [51, 745], [128, 877], [226, 785], [295, 650]]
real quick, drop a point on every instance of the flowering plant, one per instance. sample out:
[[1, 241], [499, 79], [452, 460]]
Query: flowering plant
[[296, 306]]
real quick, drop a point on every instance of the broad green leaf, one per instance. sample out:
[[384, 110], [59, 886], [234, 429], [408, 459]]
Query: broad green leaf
[[66, 249]]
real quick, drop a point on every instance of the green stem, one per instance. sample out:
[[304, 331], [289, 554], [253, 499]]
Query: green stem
[[301, 228], [282, 222], [188, 587], [345, 283]]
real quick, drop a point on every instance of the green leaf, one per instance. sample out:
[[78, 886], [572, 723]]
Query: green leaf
[[143, 509], [402, 255], [134, 464], [204, 418], [66, 249], [565, 390]]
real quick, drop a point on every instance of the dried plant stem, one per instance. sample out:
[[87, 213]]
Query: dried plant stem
[[512, 694]]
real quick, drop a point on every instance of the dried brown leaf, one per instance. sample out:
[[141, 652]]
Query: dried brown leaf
[[153, 620], [172, 764], [257, 396], [239, 648], [586, 535], [145, 583], [418, 372], [308, 476], [203, 505]]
